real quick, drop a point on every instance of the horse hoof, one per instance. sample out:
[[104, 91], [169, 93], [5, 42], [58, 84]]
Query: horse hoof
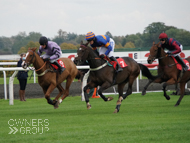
[[54, 102], [88, 107], [55, 107], [176, 105], [115, 111], [110, 98], [143, 92], [168, 98]]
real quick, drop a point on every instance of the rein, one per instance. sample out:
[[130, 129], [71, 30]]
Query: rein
[[40, 67], [96, 58]]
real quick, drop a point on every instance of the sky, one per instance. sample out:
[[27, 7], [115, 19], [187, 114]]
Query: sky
[[119, 17]]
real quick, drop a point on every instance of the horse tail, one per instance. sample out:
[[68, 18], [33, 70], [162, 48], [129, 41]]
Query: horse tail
[[146, 72], [79, 75]]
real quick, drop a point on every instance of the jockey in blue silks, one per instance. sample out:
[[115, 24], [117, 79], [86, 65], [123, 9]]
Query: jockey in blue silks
[[106, 45], [174, 48], [52, 52]]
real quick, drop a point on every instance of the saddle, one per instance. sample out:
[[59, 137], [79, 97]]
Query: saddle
[[114, 63], [179, 66], [60, 63]]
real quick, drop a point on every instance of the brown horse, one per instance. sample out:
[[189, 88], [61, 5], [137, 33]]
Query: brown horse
[[168, 71], [48, 78], [101, 74]]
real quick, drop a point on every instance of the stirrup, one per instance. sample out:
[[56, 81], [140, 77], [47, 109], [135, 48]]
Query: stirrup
[[119, 69], [61, 70], [185, 69]]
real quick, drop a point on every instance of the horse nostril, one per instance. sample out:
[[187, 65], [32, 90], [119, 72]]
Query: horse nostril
[[149, 61]]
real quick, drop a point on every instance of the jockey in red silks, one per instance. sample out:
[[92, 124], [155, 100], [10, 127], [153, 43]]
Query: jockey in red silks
[[52, 52], [174, 48], [106, 45]]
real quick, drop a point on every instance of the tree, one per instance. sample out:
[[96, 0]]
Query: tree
[[67, 46], [129, 45], [109, 34], [118, 46], [22, 50], [155, 27]]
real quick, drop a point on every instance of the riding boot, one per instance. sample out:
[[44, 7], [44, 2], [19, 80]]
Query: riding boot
[[181, 62], [119, 68], [61, 69], [23, 96]]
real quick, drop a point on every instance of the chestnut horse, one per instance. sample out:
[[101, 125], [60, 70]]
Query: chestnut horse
[[101, 74], [168, 71], [48, 78]]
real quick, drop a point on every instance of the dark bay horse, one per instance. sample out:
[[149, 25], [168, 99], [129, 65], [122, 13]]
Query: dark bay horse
[[48, 79], [101, 74], [169, 74]]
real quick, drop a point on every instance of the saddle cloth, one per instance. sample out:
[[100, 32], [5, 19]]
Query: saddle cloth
[[179, 67], [60, 63], [120, 61]]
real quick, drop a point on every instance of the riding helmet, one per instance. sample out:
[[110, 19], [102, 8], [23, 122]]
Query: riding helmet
[[90, 36], [163, 36], [43, 40]]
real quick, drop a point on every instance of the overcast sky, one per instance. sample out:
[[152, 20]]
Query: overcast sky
[[119, 17]]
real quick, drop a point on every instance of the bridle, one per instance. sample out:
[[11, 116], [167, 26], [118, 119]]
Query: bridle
[[96, 58], [34, 56], [158, 54], [84, 54]]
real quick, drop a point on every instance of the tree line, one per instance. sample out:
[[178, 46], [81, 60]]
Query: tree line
[[139, 41]]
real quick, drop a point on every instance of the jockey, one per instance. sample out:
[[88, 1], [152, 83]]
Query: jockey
[[52, 52], [174, 48], [106, 45]]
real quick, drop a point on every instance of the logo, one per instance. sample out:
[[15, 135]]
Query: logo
[[31, 126]]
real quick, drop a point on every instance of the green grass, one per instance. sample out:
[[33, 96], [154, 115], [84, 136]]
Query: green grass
[[142, 119]]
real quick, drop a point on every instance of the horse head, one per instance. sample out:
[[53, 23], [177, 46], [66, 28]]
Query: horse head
[[29, 58], [155, 52], [82, 54]]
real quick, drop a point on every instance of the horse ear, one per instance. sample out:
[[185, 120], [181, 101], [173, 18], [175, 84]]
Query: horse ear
[[153, 43], [29, 48], [34, 49], [81, 42], [86, 44]]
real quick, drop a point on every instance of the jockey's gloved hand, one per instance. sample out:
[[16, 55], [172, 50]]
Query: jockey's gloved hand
[[102, 56], [169, 53], [46, 59]]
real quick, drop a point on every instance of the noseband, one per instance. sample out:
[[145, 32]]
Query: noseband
[[35, 57], [158, 55]]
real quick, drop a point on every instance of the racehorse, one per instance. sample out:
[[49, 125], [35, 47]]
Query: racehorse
[[168, 71], [103, 75], [49, 79]]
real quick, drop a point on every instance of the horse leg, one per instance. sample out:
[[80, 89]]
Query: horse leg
[[61, 91], [104, 86], [120, 90], [164, 90], [169, 82], [66, 92], [159, 80], [48, 92], [146, 86], [129, 91], [182, 87], [86, 96]]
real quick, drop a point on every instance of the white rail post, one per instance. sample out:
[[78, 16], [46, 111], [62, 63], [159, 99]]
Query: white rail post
[[5, 85], [11, 92]]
